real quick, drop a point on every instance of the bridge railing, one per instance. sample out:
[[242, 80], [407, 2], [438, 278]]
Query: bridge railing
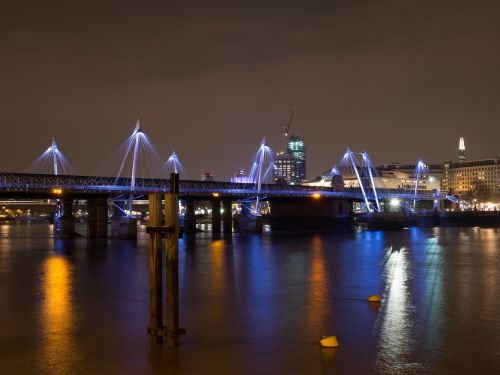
[[30, 182]]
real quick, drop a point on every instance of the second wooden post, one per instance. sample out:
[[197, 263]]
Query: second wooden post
[[172, 246], [155, 268]]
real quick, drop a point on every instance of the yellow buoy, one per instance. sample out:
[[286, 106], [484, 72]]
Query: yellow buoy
[[329, 342], [374, 298]]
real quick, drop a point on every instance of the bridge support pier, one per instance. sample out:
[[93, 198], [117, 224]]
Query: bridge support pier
[[216, 216], [123, 226], [227, 216], [247, 222], [65, 224], [67, 219], [189, 217], [436, 203], [310, 212], [97, 218]]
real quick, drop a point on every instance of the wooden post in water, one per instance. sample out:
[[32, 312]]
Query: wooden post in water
[[172, 330], [155, 230]]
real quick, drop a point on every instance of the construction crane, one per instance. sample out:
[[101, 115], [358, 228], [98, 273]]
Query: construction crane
[[287, 127]]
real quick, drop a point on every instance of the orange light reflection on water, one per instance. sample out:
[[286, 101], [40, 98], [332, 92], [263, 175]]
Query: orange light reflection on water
[[59, 350], [317, 283], [218, 275]]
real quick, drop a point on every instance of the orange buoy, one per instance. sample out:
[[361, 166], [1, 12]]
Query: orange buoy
[[329, 342], [374, 298]]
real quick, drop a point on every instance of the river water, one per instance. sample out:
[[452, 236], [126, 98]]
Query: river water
[[255, 304]]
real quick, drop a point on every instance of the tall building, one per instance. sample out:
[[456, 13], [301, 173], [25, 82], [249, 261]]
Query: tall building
[[285, 167], [462, 156], [296, 147]]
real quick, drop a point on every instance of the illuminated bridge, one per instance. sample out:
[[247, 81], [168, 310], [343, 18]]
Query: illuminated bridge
[[111, 192], [20, 185]]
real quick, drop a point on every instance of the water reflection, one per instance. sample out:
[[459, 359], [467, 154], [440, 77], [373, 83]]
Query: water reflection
[[18, 229], [260, 278], [59, 350], [489, 274], [256, 303], [218, 273], [432, 291], [395, 320], [317, 283]]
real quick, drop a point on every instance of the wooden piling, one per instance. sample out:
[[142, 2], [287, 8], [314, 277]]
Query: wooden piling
[[172, 331], [155, 268]]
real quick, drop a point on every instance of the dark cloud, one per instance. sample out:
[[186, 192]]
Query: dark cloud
[[401, 79]]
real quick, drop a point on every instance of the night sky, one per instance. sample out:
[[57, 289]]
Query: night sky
[[401, 79]]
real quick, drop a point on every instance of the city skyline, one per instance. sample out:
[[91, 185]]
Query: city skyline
[[70, 169], [402, 81]]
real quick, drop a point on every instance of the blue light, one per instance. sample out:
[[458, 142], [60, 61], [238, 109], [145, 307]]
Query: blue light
[[52, 161]]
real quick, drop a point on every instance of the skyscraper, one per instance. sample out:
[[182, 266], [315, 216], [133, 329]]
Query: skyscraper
[[291, 165], [285, 168], [296, 147], [462, 156]]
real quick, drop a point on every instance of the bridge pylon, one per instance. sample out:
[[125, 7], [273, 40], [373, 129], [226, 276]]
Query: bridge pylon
[[363, 170], [261, 171]]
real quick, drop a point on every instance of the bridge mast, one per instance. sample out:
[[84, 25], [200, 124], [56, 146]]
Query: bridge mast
[[259, 175], [138, 134], [54, 156], [137, 137], [351, 158], [369, 166], [420, 167]]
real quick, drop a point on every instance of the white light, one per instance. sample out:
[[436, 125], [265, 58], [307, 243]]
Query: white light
[[461, 145], [395, 202]]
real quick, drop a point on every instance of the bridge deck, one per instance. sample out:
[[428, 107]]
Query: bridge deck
[[23, 184]]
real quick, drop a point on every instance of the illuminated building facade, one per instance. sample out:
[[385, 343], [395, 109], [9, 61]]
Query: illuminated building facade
[[285, 171], [434, 171], [479, 177], [296, 147], [403, 181]]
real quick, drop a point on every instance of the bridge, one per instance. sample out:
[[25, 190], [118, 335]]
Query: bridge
[[119, 188], [104, 192], [29, 185]]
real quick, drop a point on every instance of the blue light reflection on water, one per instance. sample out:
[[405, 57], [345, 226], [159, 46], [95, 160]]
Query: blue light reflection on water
[[394, 324], [258, 302]]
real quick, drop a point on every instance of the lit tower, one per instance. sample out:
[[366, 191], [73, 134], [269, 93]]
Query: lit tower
[[296, 147], [291, 166], [462, 156]]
